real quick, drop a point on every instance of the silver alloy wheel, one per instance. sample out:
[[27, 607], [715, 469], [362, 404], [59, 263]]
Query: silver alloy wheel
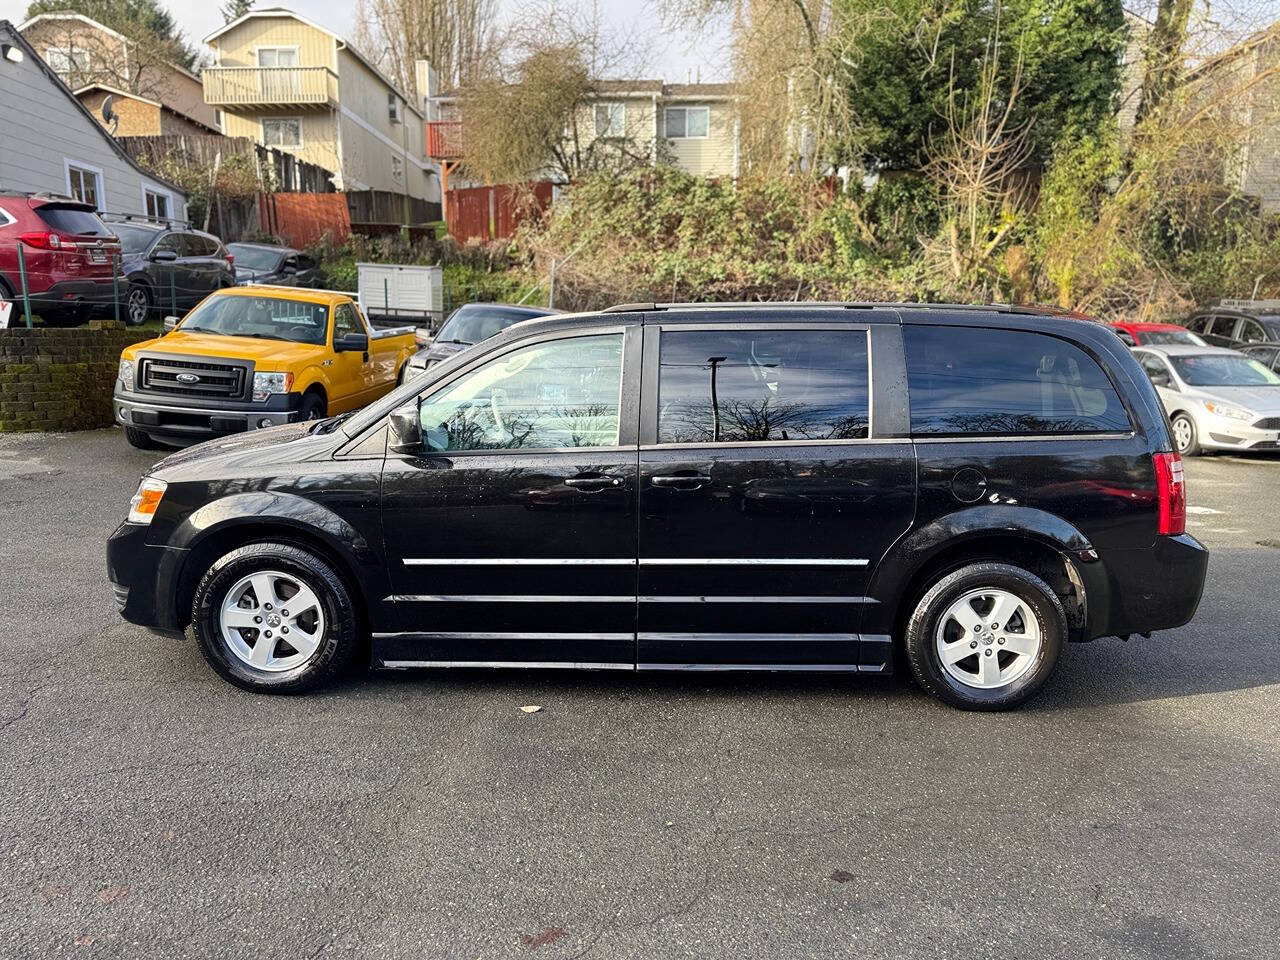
[[137, 306], [272, 621], [988, 638], [1182, 432]]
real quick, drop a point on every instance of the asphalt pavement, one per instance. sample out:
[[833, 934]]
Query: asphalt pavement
[[149, 809]]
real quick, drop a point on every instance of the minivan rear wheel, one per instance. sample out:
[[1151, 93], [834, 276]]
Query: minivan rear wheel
[[274, 618], [986, 637]]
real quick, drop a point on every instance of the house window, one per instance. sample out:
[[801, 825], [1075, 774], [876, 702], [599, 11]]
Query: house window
[[282, 131], [65, 60], [397, 169], [157, 203], [277, 56], [84, 183], [687, 122], [611, 120]]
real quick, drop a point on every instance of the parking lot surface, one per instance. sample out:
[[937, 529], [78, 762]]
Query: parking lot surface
[[149, 809]]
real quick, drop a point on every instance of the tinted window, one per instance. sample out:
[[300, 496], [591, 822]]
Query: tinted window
[[1199, 324], [133, 239], [194, 245], [474, 322], [73, 221], [1223, 326], [170, 241], [1251, 332], [254, 258], [968, 380], [564, 393], [762, 386]]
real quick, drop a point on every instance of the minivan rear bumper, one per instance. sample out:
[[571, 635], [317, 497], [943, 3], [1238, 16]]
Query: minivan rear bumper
[[1145, 589]]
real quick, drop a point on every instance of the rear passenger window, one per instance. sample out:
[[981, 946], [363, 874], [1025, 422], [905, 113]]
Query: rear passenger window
[[970, 380], [762, 386]]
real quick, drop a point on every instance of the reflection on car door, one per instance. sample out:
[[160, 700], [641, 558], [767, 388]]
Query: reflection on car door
[[511, 532], [196, 270], [766, 495]]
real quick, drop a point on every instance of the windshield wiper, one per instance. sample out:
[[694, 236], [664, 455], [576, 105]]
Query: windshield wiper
[[465, 343]]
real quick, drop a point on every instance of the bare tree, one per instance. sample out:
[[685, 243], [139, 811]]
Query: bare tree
[[141, 63], [454, 35]]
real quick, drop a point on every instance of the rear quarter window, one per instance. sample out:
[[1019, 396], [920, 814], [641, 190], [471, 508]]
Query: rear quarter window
[[966, 381]]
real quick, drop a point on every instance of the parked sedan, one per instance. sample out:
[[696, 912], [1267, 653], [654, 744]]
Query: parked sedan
[[169, 269], [467, 326], [1155, 334], [1217, 399], [280, 266]]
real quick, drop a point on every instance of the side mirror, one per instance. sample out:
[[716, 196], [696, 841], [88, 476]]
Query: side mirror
[[351, 343], [406, 431], [1162, 380], [170, 323], [164, 256]]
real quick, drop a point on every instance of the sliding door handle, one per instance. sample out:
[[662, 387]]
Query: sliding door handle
[[680, 481]]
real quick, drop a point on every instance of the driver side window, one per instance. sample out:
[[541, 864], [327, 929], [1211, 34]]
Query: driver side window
[[345, 321], [562, 393]]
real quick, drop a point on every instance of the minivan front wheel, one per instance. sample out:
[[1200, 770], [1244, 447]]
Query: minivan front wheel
[[274, 618], [986, 637]]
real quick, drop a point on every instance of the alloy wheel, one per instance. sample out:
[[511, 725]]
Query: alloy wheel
[[272, 621], [137, 306], [988, 638], [1182, 433]]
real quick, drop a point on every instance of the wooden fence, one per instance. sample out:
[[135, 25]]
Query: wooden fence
[[276, 169], [494, 213]]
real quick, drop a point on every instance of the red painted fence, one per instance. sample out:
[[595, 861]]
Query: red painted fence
[[494, 213], [303, 219]]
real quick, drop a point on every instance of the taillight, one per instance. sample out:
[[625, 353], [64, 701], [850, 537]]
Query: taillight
[[231, 260], [1171, 495], [42, 240]]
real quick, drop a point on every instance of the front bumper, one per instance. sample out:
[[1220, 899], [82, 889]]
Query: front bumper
[[145, 578], [175, 419], [1225, 433]]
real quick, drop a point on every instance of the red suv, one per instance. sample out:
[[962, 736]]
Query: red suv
[[69, 254]]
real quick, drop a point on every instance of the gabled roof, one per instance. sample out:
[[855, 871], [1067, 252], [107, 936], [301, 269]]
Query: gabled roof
[[15, 35], [117, 92], [270, 12], [94, 24], [1246, 45]]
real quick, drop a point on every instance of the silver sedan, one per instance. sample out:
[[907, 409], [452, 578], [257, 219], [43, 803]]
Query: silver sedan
[[1217, 399]]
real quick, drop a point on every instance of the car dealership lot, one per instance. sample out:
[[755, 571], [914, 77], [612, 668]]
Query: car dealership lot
[[151, 809]]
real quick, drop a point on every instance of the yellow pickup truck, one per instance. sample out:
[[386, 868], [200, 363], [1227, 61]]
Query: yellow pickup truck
[[252, 357]]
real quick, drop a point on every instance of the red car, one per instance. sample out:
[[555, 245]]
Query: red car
[[1154, 334], [69, 254]]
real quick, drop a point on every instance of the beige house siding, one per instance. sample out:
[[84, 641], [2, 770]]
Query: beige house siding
[[370, 138], [319, 132], [238, 46], [713, 155], [637, 119]]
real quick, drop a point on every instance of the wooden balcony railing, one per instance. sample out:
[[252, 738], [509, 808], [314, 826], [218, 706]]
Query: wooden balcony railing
[[444, 140], [270, 86]]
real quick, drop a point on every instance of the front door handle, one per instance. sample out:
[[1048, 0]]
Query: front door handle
[[681, 481], [592, 482]]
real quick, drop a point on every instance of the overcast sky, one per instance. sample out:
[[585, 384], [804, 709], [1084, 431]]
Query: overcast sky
[[673, 53]]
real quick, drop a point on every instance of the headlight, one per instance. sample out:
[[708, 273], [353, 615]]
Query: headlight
[[143, 506], [1227, 410], [125, 374], [265, 384]]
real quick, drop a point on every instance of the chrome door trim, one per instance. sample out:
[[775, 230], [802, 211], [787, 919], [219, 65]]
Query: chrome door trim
[[516, 561], [526, 664], [517, 635], [508, 598], [781, 599], [753, 561]]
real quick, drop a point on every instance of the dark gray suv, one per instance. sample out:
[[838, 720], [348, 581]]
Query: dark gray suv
[[169, 269]]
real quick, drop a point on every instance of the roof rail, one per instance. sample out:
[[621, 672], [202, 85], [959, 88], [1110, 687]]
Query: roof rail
[[109, 216], [1031, 309], [1246, 305]]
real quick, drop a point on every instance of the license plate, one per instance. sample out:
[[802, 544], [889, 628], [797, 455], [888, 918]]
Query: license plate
[[98, 256]]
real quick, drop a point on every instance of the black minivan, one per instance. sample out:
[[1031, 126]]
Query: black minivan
[[820, 487]]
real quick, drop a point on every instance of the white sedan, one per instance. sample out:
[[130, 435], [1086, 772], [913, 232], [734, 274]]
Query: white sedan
[[1217, 399]]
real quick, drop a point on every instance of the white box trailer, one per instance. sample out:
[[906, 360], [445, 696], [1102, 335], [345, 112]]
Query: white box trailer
[[401, 291]]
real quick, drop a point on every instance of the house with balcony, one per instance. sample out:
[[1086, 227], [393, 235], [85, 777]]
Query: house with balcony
[[292, 84], [150, 96]]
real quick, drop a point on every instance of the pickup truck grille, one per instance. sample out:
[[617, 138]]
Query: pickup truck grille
[[188, 378]]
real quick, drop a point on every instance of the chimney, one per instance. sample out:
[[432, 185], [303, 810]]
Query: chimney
[[428, 84]]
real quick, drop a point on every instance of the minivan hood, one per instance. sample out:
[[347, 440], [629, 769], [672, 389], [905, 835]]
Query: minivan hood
[[288, 443], [1261, 400]]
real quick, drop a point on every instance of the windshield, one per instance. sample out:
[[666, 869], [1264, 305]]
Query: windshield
[[1223, 370], [473, 323], [134, 239], [272, 318], [1158, 338], [254, 258]]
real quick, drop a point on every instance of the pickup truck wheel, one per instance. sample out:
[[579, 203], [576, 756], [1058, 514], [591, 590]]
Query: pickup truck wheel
[[141, 440], [274, 618], [137, 305], [313, 407], [986, 637]]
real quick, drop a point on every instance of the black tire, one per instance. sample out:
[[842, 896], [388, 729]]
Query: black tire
[[138, 304], [1182, 422], [339, 638], [921, 652], [141, 439], [313, 407]]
